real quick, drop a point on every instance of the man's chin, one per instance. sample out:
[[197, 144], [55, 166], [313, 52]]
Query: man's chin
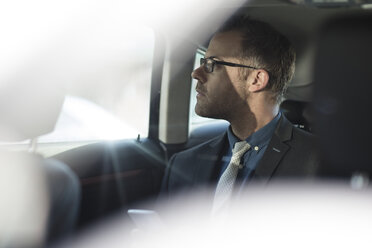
[[201, 112]]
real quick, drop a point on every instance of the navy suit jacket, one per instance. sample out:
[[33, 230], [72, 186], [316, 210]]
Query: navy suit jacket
[[291, 153]]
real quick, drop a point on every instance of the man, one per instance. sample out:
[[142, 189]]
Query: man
[[246, 69]]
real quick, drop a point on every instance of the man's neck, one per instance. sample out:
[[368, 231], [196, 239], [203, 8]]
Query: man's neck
[[245, 125]]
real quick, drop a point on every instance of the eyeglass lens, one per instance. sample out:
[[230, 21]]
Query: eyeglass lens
[[208, 64]]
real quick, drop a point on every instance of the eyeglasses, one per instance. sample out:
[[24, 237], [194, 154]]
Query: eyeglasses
[[209, 63]]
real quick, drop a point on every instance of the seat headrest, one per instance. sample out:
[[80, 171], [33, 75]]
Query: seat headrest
[[27, 111], [298, 113]]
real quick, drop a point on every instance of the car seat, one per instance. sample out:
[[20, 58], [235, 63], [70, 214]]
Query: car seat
[[31, 186], [342, 103]]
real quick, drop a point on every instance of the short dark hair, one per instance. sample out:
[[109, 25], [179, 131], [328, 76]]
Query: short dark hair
[[267, 49]]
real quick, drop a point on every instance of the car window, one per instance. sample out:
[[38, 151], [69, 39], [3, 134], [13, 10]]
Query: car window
[[112, 97]]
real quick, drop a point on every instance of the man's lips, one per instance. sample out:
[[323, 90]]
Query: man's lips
[[200, 91], [200, 94]]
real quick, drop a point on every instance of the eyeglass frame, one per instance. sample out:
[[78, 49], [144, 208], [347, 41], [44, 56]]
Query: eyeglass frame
[[219, 62]]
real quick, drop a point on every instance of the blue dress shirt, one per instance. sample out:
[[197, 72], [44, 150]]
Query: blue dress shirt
[[259, 141]]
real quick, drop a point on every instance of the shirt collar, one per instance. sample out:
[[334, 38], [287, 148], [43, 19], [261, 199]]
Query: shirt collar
[[259, 138]]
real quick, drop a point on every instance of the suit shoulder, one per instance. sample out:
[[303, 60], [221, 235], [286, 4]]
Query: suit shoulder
[[303, 141], [214, 142], [302, 132], [303, 135]]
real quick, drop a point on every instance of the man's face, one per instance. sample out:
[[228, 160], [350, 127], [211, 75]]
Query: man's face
[[222, 91]]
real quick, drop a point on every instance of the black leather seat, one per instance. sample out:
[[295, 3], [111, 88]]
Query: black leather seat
[[343, 77]]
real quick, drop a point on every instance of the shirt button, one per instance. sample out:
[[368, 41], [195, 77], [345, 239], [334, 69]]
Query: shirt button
[[256, 148]]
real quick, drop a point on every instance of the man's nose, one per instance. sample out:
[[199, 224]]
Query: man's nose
[[199, 74]]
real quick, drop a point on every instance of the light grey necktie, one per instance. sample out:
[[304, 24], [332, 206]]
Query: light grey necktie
[[225, 185]]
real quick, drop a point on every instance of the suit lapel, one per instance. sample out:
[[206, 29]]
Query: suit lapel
[[207, 161], [275, 151]]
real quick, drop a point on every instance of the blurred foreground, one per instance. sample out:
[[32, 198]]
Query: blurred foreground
[[281, 215]]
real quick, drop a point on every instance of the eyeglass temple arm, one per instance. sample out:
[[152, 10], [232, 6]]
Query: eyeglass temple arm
[[232, 64]]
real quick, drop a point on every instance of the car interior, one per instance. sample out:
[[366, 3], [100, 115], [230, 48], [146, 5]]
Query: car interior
[[328, 97]]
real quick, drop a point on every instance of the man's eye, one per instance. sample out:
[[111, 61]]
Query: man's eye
[[210, 62]]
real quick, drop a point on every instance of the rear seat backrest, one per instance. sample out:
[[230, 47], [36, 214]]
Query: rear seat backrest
[[343, 76]]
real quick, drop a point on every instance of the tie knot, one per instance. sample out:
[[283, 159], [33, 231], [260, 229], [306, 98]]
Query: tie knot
[[240, 148]]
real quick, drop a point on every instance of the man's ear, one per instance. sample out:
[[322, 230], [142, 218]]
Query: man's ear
[[259, 80]]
